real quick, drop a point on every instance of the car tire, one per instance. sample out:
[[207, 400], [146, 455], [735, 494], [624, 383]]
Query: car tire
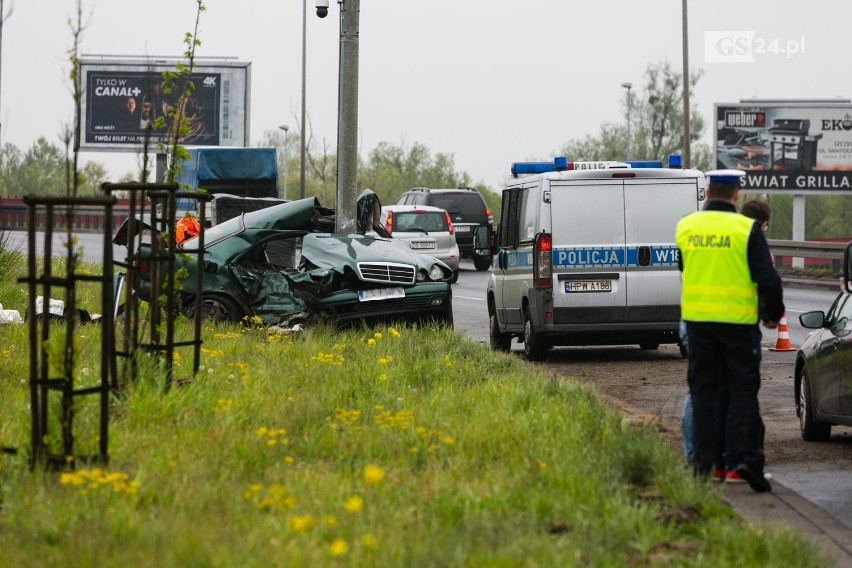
[[219, 309], [482, 263], [455, 275], [812, 430], [649, 345], [496, 339], [535, 345]]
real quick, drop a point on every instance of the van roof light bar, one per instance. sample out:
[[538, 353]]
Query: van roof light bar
[[561, 163]]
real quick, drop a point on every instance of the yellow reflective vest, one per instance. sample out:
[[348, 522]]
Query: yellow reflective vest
[[716, 281]]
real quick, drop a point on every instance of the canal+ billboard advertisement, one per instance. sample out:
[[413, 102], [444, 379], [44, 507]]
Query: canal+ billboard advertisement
[[121, 102], [786, 147]]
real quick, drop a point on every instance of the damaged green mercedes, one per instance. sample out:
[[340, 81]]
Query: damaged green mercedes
[[285, 265]]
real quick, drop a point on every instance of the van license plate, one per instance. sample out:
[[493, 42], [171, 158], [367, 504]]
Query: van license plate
[[380, 294], [574, 286]]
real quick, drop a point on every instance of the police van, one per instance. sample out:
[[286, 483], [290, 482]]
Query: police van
[[585, 254]]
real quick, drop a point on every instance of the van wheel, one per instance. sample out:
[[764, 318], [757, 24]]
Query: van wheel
[[649, 346], [482, 263], [499, 341], [535, 346], [812, 431]]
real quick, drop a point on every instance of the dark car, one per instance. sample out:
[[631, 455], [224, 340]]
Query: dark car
[[282, 262], [468, 212], [823, 378]]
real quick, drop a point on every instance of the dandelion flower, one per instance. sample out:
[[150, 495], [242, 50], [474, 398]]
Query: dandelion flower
[[338, 547], [369, 542], [377, 335], [301, 523], [373, 474], [394, 333], [371, 342], [353, 504]]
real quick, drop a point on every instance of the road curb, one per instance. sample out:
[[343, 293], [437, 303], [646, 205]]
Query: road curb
[[811, 283], [785, 507], [782, 506]]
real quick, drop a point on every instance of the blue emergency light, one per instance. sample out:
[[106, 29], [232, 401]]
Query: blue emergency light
[[561, 163], [675, 161]]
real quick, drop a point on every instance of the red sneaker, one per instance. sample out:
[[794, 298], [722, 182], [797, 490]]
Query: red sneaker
[[720, 474], [734, 477]]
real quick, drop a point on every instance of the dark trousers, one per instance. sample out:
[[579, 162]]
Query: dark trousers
[[725, 357]]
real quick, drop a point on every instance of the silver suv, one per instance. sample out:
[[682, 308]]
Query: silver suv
[[428, 230]]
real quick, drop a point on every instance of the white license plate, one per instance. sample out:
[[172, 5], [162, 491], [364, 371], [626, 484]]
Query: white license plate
[[574, 286], [422, 246], [462, 228], [380, 294]]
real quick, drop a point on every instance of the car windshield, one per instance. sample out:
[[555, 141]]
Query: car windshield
[[459, 203], [420, 221]]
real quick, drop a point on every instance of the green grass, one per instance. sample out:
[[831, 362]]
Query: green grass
[[370, 447]]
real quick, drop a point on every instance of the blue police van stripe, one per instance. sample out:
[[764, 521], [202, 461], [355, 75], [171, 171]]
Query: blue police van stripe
[[598, 257]]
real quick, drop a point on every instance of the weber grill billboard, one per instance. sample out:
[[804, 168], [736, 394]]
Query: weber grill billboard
[[787, 147], [121, 101]]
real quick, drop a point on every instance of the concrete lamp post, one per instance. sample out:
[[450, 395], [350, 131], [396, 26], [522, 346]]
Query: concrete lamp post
[[628, 86]]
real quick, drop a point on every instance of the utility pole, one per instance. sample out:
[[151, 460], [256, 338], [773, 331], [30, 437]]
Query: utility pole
[[347, 118], [302, 133], [628, 86], [686, 144]]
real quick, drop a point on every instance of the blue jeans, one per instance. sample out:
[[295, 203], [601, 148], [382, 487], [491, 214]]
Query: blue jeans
[[724, 420]]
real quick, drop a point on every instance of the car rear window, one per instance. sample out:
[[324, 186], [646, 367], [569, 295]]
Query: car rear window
[[459, 203], [420, 221]]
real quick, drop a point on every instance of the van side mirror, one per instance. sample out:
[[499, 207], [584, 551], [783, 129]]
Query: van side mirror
[[483, 239], [847, 269]]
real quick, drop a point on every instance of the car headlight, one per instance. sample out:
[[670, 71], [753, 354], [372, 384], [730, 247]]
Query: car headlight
[[436, 273]]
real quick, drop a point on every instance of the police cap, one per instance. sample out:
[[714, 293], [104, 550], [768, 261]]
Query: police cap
[[725, 176]]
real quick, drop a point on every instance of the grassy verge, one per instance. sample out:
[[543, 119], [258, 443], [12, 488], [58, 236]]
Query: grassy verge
[[372, 447]]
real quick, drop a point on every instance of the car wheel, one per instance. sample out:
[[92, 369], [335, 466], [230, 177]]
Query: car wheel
[[812, 431], [535, 346], [219, 309], [499, 341], [482, 263], [455, 275], [649, 346]]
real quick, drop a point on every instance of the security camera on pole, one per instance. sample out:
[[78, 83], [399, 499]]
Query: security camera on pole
[[347, 118]]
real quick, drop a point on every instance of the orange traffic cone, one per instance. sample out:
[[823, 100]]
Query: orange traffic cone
[[783, 341]]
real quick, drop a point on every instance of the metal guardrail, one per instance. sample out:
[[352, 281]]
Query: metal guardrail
[[807, 249]]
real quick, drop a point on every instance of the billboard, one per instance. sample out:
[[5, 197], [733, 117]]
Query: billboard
[[787, 147], [123, 98]]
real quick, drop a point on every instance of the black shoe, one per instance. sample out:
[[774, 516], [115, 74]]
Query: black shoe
[[754, 477]]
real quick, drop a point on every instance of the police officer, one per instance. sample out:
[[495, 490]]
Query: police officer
[[727, 274]]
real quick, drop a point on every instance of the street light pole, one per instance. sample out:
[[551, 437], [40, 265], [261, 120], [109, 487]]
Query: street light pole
[[302, 126], [686, 133], [628, 86], [347, 119], [285, 128]]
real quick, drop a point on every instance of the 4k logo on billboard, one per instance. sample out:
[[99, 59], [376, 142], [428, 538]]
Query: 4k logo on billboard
[[745, 119], [210, 81]]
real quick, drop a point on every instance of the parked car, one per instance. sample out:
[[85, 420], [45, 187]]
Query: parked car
[[467, 210], [428, 230], [285, 262], [823, 377]]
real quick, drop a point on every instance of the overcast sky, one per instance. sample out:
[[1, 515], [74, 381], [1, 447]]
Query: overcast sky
[[489, 81]]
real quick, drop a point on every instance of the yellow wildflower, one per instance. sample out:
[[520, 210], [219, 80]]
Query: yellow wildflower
[[338, 547], [369, 542], [394, 333], [377, 335], [373, 474], [353, 504], [371, 342], [301, 523]]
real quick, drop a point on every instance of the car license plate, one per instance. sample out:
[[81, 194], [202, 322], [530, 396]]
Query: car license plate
[[462, 228], [423, 245], [380, 294], [573, 286]]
